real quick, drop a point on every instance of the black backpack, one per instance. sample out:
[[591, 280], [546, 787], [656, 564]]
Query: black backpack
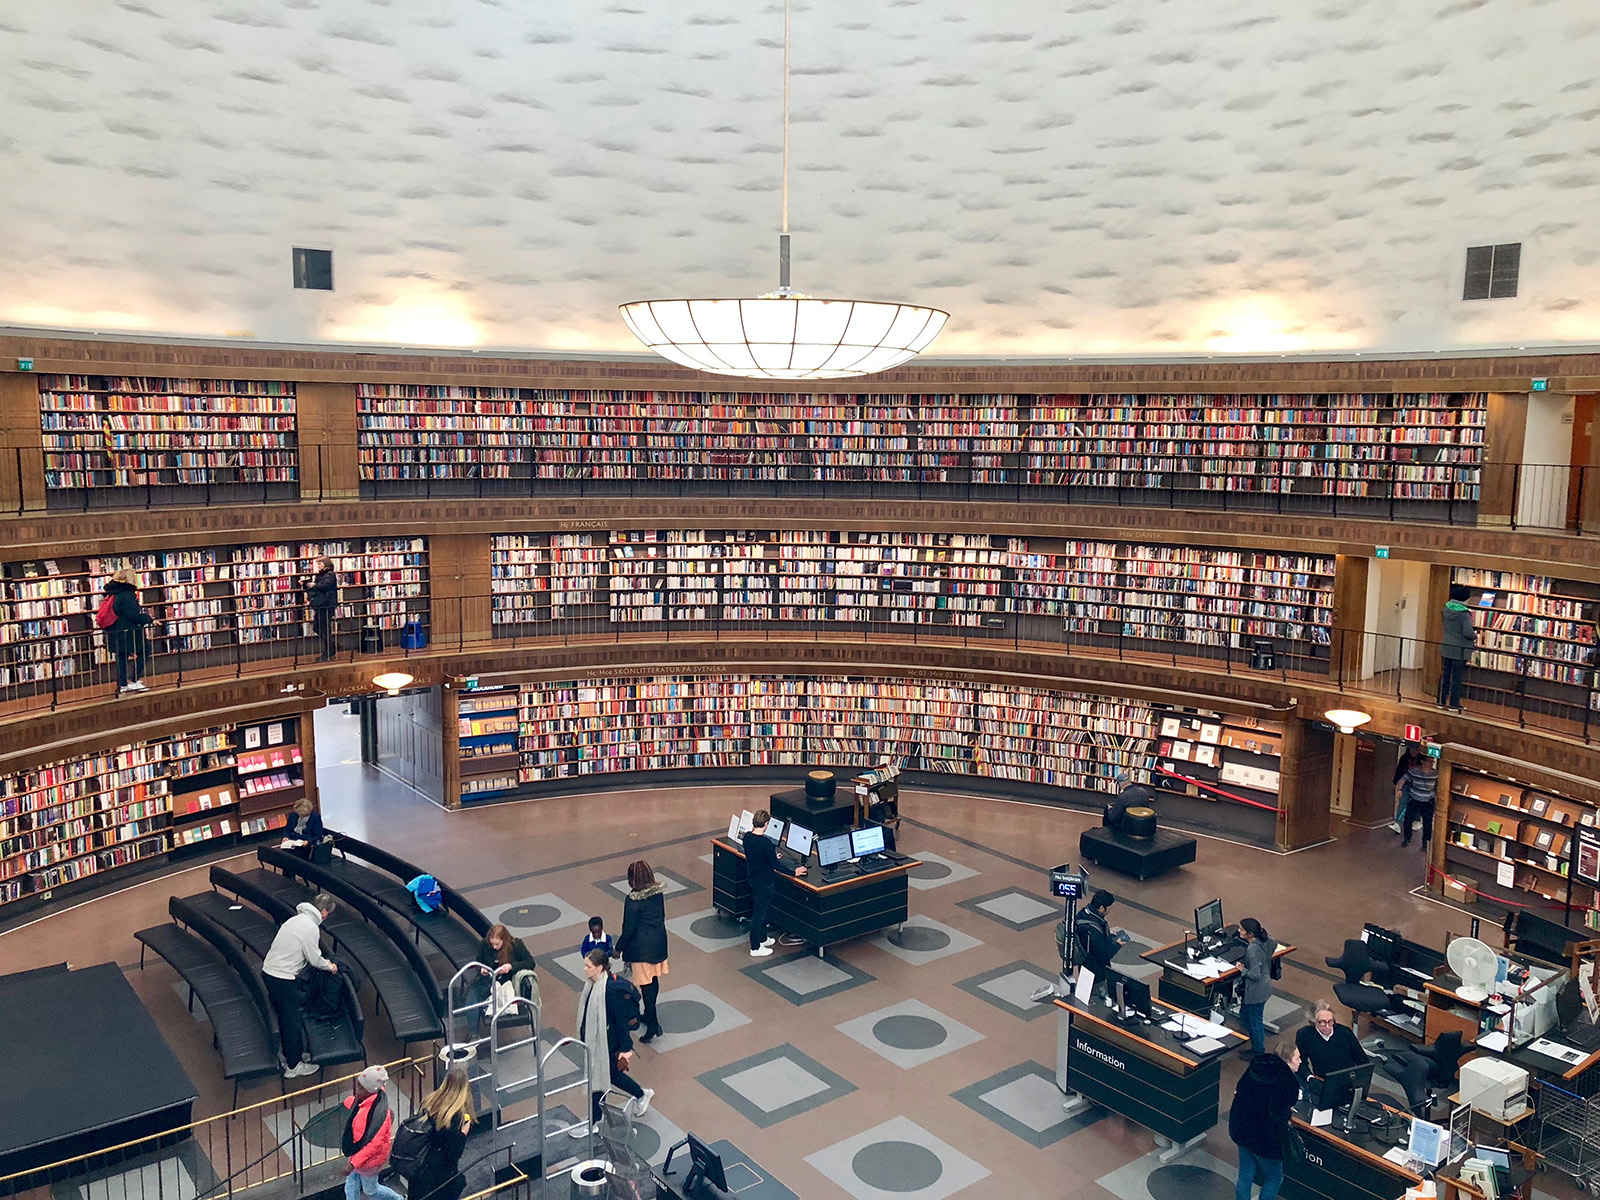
[[379, 1113], [410, 1147], [634, 1002]]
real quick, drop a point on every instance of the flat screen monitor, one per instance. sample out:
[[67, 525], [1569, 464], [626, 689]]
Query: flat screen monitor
[[1208, 919], [835, 849], [867, 840], [1135, 993], [706, 1163], [799, 839], [774, 832], [1339, 1088]]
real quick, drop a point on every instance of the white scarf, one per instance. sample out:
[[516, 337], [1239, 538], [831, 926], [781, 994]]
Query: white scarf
[[592, 1028]]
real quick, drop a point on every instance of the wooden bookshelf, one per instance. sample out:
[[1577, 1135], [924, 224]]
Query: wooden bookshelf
[[1534, 627], [603, 725], [107, 432], [68, 820], [488, 724], [1407, 447], [1217, 755]]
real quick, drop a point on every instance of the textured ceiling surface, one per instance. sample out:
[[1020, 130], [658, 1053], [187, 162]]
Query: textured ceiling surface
[[1073, 178]]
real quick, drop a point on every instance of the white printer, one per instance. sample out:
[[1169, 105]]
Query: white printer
[[1496, 1088]]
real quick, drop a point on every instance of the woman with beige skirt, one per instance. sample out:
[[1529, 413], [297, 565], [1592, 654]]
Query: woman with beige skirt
[[643, 941]]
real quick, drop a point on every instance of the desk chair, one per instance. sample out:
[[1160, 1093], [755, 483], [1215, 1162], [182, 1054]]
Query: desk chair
[[1359, 997], [1424, 1071]]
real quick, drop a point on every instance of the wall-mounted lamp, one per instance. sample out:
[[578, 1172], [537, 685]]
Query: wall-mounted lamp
[[392, 681], [1347, 719]]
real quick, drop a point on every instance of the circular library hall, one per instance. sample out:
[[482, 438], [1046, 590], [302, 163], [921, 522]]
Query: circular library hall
[[1084, 688]]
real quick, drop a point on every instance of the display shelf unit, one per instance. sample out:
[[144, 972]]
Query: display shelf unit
[[1209, 754], [487, 729], [103, 433], [1408, 448], [1188, 600], [1536, 634], [67, 823], [210, 601]]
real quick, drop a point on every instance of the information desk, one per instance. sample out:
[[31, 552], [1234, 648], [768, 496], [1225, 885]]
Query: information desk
[[831, 814], [745, 1178], [1347, 1166], [1178, 987], [1143, 1072], [820, 913]]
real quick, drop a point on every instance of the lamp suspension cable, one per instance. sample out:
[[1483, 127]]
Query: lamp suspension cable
[[783, 233]]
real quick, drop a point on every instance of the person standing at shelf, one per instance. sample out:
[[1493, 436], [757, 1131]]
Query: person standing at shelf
[[125, 636], [643, 941], [322, 597], [296, 946], [761, 868], [1420, 786], [1455, 646], [1256, 987]]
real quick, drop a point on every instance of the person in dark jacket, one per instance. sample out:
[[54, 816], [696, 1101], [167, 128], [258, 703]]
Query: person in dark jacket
[[322, 597], [1129, 795], [1420, 785], [642, 944], [125, 637], [1097, 945], [1325, 1046], [304, 829], [1407, 758], [1455, 646], [1258, 1122], [449, 1107], [502, 954], [1256, 986], [761, 868], [603, 1027]]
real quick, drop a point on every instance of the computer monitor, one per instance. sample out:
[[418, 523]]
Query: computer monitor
[[1208, 919], [834, 849], [1383, 945], [774, 832], [867, 840], [799, 839], [1339, 1088], [705, 1163], [1135, 993]]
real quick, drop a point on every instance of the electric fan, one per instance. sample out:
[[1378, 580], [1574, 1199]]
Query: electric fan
[[1475, 964]]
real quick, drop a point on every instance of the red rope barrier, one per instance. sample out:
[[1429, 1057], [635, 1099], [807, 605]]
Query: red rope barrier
[[1445, 875], [1211, 787]]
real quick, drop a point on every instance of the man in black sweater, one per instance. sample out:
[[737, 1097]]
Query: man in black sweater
[[1097, 944], [1327, 1046], [761, 868]]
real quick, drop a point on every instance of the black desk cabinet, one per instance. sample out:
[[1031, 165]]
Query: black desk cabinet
[[1336, 1168], [834, 814], [822, 915]]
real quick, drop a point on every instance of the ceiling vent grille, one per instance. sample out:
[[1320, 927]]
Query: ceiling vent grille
[[1492, 272]]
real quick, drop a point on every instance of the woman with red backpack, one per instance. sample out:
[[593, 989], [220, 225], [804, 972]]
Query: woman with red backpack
[[124, 620]]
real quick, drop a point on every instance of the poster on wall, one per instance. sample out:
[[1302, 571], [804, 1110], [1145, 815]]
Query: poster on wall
[[1586, 855]]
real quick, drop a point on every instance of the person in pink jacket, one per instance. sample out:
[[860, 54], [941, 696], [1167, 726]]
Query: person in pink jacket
[[368, 1137]]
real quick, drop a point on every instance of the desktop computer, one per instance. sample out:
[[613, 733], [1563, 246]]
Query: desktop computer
[[799, 839], [774, 832], [1208, 922], [866, 840]]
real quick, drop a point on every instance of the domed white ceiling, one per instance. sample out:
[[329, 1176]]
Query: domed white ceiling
[[1071, 178]]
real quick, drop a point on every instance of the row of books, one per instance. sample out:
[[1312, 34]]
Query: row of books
[[1534, 626]]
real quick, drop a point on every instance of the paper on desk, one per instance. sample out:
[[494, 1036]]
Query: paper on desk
[[1568, 1054], [1495, 1042], [1321, 1117], [1397, 1154], [1204, 1045], [1196, 1026]]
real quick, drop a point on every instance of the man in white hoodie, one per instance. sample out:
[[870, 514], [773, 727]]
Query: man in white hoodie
[[297, 945]]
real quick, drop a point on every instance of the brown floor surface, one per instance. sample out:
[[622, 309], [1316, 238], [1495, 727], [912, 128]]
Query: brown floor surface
[[1314, 898]]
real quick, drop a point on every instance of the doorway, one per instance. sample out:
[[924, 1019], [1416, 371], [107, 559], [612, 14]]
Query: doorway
[[1397, 593]]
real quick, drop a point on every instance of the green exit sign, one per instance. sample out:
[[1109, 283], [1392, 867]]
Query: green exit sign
[[1383, 551], [1540, 385]]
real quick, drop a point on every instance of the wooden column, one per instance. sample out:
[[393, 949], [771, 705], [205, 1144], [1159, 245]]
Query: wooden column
[[21, 444], [1304, 786], [1349, 616], [1583, 510], [450, 726], [326, 420], [1507, 426], [1433, 625], [458, 579], [308, 754]]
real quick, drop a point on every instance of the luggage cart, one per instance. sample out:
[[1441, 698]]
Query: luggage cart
[[1569, 1134]]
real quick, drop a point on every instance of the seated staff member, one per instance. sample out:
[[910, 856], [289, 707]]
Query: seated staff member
[[1327, 1046], [1097, 945], [761, 868]]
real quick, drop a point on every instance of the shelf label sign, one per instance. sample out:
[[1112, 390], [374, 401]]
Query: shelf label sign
[[1539, 385], [1382, 551]]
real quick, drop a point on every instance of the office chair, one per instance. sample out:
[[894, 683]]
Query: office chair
[[1424, 1071], [1357, 996]]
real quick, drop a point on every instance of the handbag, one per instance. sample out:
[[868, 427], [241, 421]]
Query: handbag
[[322, 852], [504, 993], [1294, 1146]]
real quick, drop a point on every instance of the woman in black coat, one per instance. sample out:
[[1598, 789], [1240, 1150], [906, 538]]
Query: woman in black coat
[[1258, 1123], [322, 597], [125, 636], [643, 941]]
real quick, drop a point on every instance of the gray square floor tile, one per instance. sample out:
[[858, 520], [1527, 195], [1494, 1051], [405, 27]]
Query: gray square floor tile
[[1014, 908], [709, 930], [651, 1135], [936, 870], [691, 1014], [1128, 959], [803, 978], [543, 913], [1025, 1101], [677, 886], [896, 1159], [775, 1085], [922, 939], [909, 1033], [1011, 989], [1197, 1173]]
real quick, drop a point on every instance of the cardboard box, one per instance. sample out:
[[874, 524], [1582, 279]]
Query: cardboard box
[[1458, 892]]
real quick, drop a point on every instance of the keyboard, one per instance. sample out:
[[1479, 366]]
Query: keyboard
[[841, 871], [895, 859], [1583, 1035], [875, 862]]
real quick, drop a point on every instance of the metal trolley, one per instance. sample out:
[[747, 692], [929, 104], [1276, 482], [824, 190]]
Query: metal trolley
[[1569, 1134]]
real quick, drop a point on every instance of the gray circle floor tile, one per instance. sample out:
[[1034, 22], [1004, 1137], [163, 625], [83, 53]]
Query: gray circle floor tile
[[1183, 1181], [530, 916], [919, 937], [716, 927], [930, 870], [909, 1032], [897, 1166], [684, 1016]]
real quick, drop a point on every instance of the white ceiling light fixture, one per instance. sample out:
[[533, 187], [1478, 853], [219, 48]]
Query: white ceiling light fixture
[[784, 334], [393, 681], [1347, 719]]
